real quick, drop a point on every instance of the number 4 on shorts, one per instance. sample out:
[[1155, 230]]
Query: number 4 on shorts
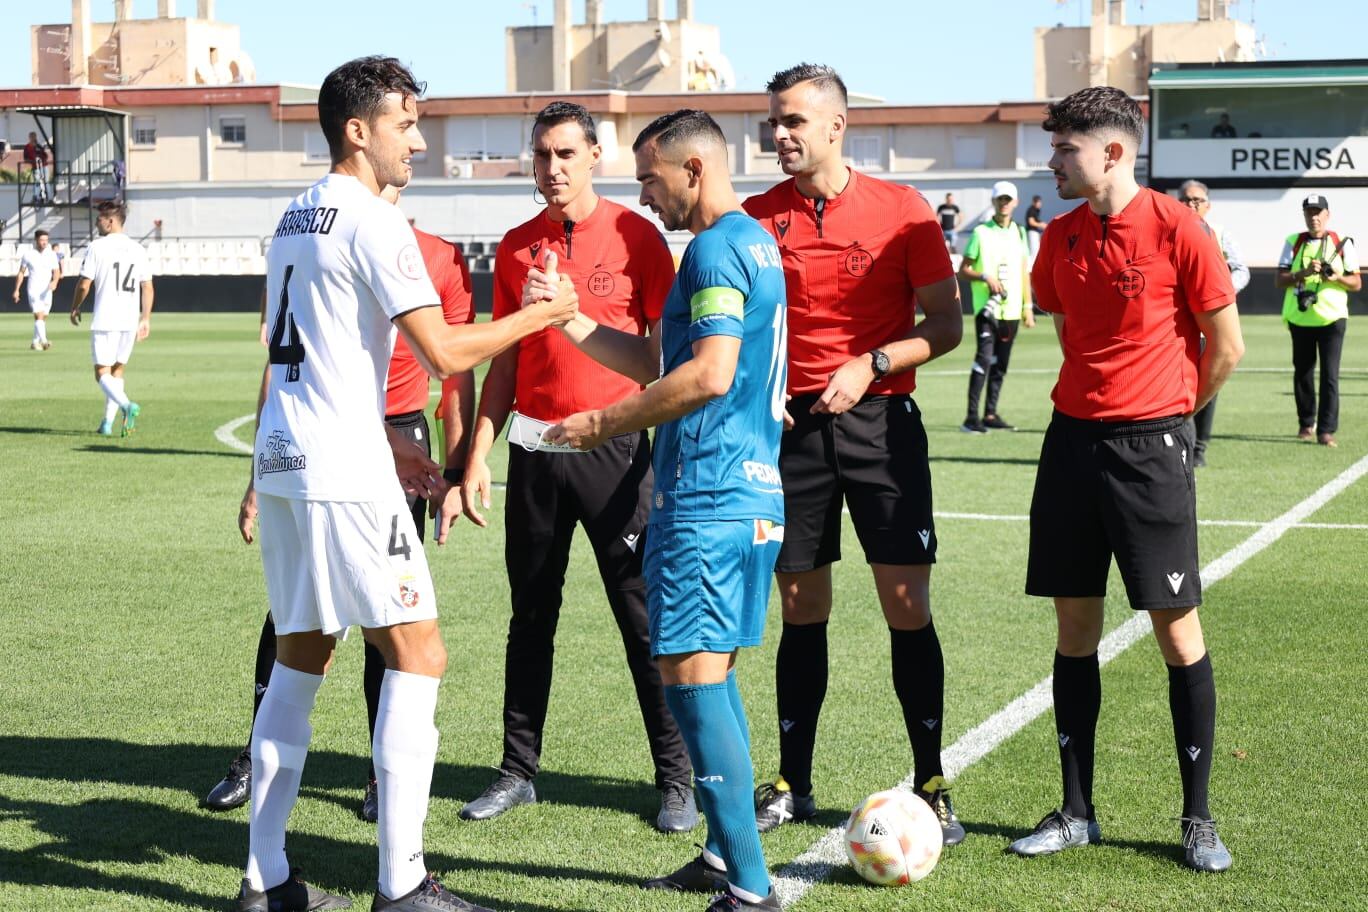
[[398, 543]]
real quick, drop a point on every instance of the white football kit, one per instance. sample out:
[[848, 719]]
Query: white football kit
[[339, 546], [40, 267], [117, 266]]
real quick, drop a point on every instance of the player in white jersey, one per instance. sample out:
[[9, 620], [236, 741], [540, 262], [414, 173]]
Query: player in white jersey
[[116, 266], [339, 547], [39, 264]]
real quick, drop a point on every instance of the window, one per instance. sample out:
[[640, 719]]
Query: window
[[865, 151], [970, 152], [766, 137], [144, 131], [232, 131], [316, 147], [1297, 111]]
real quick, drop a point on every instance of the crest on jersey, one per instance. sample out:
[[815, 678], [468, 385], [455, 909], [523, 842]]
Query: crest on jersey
[[1130, 283], [858, 262], [411, 262], [601, 284]]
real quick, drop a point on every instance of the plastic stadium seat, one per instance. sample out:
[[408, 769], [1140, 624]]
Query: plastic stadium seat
[[154, 249], [248, 247], [171, 266], [8, 250]]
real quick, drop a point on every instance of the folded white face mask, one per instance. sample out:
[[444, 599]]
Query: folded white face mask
[[530, 434]]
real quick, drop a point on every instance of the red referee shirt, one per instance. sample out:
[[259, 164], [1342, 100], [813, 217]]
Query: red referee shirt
[[622, 270], [1127, 286], [406, 390], [850, 273]]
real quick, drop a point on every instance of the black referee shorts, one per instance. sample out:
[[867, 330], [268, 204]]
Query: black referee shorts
[[872, 458], [414, 426], [1126, 490]]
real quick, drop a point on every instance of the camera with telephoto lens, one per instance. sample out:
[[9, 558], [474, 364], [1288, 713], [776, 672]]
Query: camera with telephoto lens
[[1326, 270]]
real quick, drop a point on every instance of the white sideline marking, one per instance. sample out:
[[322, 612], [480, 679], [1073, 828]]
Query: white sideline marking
[[827, 853], [226, 434]]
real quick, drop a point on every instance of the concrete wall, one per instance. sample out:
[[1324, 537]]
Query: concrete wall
[[612, 56], [170, 52]]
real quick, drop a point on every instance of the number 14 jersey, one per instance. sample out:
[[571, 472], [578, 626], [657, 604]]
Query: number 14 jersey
[[342, 264], [117, 266]]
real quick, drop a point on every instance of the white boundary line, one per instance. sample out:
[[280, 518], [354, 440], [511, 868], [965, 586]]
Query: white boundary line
[[795, 879], [226, 434]]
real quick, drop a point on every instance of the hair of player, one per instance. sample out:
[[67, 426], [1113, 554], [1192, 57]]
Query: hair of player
[[1189, 184], [115, 208], [357, 89], [824, 79], [41, 232], [559, 112], [685, 126], [1097, 109]]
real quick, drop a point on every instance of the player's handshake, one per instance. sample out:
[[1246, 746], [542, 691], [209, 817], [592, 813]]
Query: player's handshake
[[551, 293]]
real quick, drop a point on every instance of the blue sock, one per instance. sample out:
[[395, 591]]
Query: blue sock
[[723, 778], [711, 843]]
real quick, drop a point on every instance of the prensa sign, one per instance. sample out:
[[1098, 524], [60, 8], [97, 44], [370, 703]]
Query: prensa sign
[[1337, 157]]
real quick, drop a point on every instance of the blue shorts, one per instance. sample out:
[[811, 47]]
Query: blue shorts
[[708, 583]]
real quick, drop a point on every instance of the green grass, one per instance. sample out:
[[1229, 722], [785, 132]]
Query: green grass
[[133, 609]]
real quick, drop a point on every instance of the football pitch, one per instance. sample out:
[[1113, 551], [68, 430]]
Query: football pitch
[[132, 610]]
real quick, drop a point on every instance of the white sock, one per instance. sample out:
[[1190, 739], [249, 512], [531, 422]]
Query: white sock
[[37, 330], [280, 742], [42, 330], [113, 389], [405, 749], [111, 410]]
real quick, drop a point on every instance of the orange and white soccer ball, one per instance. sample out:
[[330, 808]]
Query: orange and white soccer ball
[[892, 838]]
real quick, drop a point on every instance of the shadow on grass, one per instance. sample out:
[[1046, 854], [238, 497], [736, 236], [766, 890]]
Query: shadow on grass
[[49, 432], [132, 449], [988, 460], [1167, 851], [136, 832]]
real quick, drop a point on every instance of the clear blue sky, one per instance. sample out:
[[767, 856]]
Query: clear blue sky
[[911, 51]]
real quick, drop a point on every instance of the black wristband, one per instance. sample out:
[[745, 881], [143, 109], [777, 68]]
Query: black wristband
[[453, 476]]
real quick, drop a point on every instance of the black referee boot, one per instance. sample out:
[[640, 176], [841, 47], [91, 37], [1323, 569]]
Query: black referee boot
[[236, 787], [293, 895]]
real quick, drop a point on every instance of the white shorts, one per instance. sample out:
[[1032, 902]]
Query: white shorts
[[330, 565], [108, 348], [41, 305]]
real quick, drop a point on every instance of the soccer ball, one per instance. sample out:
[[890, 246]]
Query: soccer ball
[[893, 837]]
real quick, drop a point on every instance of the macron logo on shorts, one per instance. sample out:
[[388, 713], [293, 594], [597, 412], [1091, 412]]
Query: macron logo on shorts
[[1175, 581], [925, 536]]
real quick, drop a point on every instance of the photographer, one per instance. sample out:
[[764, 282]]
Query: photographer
[[1319, 269]]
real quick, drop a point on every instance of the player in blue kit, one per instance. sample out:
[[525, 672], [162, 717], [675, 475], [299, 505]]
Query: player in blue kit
[[717, 371]]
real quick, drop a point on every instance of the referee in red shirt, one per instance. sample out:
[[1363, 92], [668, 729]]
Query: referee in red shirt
[[1133, 279], [406, 399], [859, 256], [622, 270]]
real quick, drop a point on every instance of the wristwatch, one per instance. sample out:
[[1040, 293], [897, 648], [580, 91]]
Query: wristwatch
[[880, 363]]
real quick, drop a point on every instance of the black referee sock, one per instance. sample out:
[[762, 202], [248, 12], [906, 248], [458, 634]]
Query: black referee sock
[[1192, 700], [919, 682], [372, 678], [1077, 702], [265, 661], [800, 681]]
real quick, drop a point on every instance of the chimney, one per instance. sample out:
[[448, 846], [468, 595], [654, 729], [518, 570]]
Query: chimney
[[123, 10], [686, 9], [560, 47], [655, 10], [80, 42], [205, 9], [593, 12], [166, 9]]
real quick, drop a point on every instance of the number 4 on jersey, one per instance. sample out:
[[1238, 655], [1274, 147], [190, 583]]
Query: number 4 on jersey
[[285, 347]]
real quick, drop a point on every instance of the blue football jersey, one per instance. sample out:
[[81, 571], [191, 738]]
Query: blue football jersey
[[721, 461]]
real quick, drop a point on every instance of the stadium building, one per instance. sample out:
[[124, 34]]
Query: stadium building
[[166, 112]]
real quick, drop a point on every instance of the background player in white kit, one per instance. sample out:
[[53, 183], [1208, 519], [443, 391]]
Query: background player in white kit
[[339, 546], [39, 264], [117, 267]]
